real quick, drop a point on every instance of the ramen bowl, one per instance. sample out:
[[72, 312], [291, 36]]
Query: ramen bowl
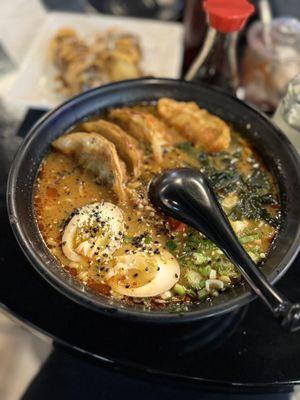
[[272, 145]]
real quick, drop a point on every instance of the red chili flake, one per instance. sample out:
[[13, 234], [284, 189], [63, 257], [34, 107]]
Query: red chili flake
[[175, 225]]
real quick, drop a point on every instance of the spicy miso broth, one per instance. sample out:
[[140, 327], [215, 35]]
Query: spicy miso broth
[[94, 214]]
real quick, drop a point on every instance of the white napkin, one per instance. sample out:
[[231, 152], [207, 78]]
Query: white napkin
[[19, 22]]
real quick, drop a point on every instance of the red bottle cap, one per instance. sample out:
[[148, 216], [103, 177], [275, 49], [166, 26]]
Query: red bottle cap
[[228, 15]]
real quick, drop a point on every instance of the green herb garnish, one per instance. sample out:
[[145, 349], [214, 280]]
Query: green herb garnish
[[171, 245]]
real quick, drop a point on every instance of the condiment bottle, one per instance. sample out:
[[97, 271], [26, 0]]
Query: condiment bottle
[[216, 63], [287, 115], [195, 27]]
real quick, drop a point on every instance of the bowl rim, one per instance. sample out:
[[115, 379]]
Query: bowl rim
[[109, 309]]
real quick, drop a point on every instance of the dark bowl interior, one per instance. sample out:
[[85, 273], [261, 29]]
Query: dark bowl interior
[[275, 149]]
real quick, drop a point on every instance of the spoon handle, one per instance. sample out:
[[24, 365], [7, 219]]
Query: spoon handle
[[287, 313], [195, 204]]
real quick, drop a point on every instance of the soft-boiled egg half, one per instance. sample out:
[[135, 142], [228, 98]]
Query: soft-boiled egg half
[[96, 230], [143, 274]]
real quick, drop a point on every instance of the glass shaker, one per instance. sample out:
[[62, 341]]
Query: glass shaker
[[287, 115], [271, 60], [216, 63]]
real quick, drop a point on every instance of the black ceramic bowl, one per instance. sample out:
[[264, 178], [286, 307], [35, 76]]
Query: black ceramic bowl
[[276, 150]]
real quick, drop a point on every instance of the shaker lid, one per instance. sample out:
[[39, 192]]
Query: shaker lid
[[228, 15]]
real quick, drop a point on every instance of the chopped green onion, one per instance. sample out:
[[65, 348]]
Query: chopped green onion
[[227, 269], [200, 258], [249, 238], [191, 292], [171, 245], [127, 239], [179, 289], [202, 294], [193, 278], [148, 239], [255, 257], [205, 271], [201, 284]]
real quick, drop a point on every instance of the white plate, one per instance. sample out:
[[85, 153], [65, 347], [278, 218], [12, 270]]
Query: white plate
[[161, 43]]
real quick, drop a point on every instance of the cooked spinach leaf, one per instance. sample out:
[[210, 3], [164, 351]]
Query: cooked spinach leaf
[[254, 192], [251, 205], [225, 181], [259, 180]]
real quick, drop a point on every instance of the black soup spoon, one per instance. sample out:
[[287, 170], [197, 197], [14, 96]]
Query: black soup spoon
[[185, 194]]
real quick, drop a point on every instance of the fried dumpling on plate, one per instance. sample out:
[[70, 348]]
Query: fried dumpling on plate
[[145, 127], [96, 155], [66, 47], [195, 124], [126, 145]]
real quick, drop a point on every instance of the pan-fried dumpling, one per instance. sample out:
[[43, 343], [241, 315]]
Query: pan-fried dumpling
[[125, 144], [144, 127], [98, 156], [196, 124]]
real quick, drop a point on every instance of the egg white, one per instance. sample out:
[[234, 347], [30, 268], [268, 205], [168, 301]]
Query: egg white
[[167, 273], [107, 218]]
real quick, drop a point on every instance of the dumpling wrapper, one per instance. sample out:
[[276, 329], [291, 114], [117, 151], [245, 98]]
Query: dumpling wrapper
[[145, 127], [195, 124], [119, 68], [98, 156], [126, 145]]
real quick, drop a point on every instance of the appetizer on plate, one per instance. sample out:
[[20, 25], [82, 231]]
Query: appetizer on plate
[[83, 64]]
